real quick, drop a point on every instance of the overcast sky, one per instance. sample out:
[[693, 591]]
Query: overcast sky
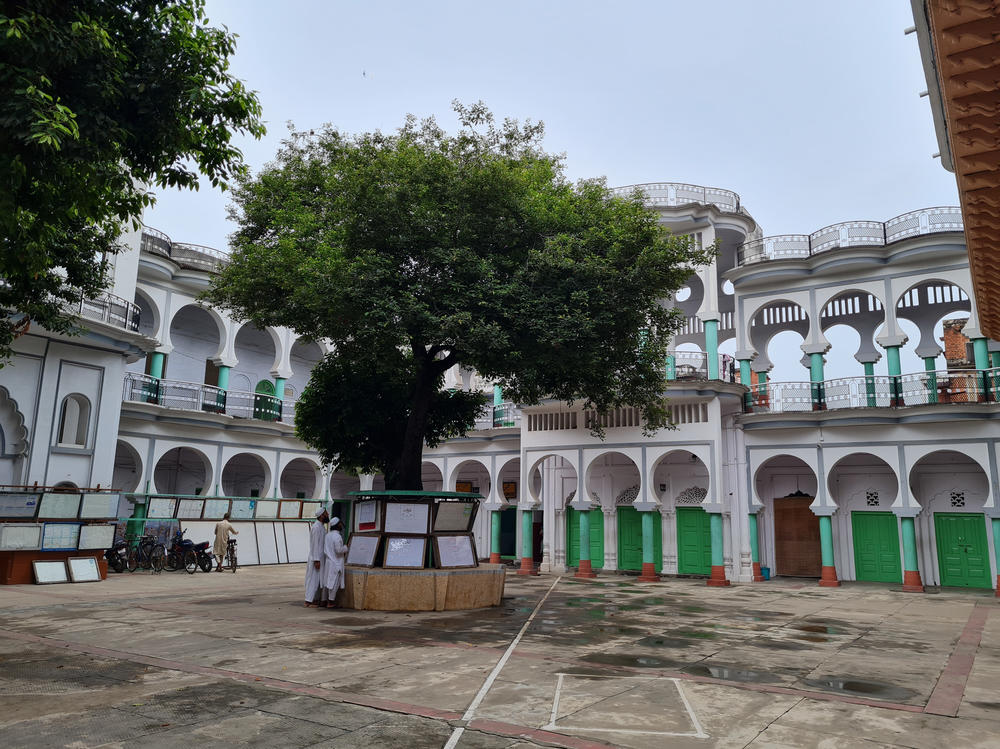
[[809, 110]]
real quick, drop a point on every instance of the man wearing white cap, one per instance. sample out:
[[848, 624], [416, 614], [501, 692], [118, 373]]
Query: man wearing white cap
[[335, 553], [314, 562]]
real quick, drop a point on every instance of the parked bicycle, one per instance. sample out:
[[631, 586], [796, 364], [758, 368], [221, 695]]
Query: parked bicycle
[[229, 561], [147, 553]]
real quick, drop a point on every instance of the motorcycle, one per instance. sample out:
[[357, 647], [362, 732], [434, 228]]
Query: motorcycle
[[117, 556], [186, 553]]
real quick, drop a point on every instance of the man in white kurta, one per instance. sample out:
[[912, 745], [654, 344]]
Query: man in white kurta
[[314, 562], [335, 554]]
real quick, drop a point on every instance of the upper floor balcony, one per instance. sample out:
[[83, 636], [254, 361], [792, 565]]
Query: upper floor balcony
[[851, 234], [194, 256], [927, 388], [670, 194], [192, 396], [110, 310]]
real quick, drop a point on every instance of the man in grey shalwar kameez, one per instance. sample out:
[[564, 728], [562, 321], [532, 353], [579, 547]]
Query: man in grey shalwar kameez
[[314, 562]]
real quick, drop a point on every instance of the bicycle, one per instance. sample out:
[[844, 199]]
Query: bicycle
[[230, 558], [146, 554]]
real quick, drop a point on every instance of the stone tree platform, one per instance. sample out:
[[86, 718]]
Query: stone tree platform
[[422, 590]]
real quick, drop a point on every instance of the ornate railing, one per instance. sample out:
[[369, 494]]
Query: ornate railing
[[195, 255], [192, 396], [111, 310], [877, 391], [851, 234], [693, 365], [681, 193], [498, 416]]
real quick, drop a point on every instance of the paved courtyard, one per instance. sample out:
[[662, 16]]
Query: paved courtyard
[[235, 660]]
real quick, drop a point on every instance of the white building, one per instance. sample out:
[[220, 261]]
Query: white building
[[883, 474]]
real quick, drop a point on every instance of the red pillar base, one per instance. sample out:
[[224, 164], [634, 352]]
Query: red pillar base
[[648, 574], [718, 577], [998, 586], [828, 578], [527, 567], [585, 570], [494, 557], [912, 582], [758, 576]]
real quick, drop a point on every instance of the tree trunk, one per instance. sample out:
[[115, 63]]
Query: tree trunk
[[407, 473]]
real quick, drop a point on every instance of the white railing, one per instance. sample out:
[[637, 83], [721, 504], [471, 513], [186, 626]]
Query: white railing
[[195, 255], [681, 193]]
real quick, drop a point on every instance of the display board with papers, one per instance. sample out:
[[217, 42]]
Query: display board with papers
[[18, 505], [83, 570], [49, 572], [361, 550], [58, 505], [161, 507], [99, 506], [455, 551], [454, 516], [96, 537], [216, 508], [19, 536], [290, 509], [407, 517], [366, 516], [267, 508], [190, 509], [406, 552], [60, 536]]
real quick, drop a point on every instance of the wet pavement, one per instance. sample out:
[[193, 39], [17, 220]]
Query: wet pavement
[[174, 659]]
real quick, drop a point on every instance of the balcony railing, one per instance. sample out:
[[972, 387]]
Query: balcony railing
[[191, 396], [876, 391], [851, 234], [498, 416], [693, 365], [191, 255], [681, 193], [111, 310]]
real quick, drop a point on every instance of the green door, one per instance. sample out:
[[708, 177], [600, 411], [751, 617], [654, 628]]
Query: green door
[[963, 552], [630, 540], [264, 402], [694, 541], [596, 538], [876, 547]]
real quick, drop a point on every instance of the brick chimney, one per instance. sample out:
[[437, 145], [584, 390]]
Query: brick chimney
[[956, 344]]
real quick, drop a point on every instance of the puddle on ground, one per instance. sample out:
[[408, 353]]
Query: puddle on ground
[[664, 642], [695, 609], [861, 687], [629, 661], [816, 628], [811, 638], [732, 674], [696, 634]]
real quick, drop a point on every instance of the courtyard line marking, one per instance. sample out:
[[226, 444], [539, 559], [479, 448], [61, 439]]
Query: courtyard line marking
[[699, 731], [950, 688], [481, 694]]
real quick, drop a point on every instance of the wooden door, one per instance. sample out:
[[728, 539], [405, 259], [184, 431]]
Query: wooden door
[[963, 551], [694, 541], [796, 538], [596, 517], [630, 540], [876, 547]]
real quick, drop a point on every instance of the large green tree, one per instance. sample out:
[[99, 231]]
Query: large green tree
[[420, 250], [100, 101]]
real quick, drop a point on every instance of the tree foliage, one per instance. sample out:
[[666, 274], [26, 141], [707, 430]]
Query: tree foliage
[[100, 100], [419, 250]]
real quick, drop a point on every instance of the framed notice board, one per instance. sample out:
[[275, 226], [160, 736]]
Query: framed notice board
[[49, 572], [266, 508], [20, 536], [161, 507], [367, 516], [407, 517], [455, 551], [454, 516], [216, 508], [83, 570], [362, 549], [405, 552], [96, 536], [190, 509], [242, 509], [18, 505], [60, 536], [59, 505], [101, 506], [291, 509]]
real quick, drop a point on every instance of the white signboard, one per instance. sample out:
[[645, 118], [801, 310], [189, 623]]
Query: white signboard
[[57, 505], [216, 508], [406, 517], [18, 536], [291, 510], [18, 505], [453, 516], [401, 551], [96, 536], [242, 509], [190, 509], [366, 516], [361, 550], [84, 570], [455, 551], [99, 506], [267, 508], [60, 536], [160, 507], [309, 509], [50, 572]]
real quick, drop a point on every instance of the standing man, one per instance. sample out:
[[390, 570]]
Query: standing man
[[333, 565], [222, 530], [314, 562]]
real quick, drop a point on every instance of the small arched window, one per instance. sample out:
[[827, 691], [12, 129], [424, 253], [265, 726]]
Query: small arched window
[[74, 420]]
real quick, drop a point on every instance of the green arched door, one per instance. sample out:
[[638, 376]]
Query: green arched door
[[265, 405], [596, 517]]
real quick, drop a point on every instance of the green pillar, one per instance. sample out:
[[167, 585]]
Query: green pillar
[[497, 395], [911, 569], [996, 547], [671, 367], [828, 577], [745, 372], [223, 382], [495, 535], [816, 377], [526, 522], [981, 353], [648, 535], [279, 388], [930, 366], [895, 383], [712, 348], [156, 360], [715, 527], [137, 523], [870, 384], [995, 359], [754, 544]]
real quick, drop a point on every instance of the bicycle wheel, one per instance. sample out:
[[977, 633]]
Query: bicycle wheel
[[231, 558], [205, 562], [173, 561], [132, 560], [190, 562], [157, 559]]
